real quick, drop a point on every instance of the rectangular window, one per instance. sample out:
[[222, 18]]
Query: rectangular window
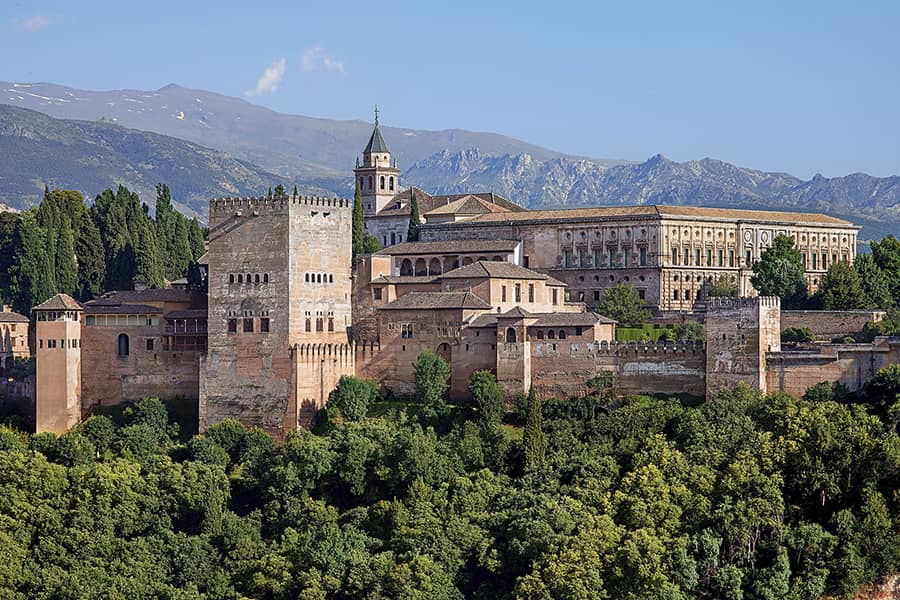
[[674, 294], [531, 292], [248, 325], [149, 344], [40, 343], [824, 261], [596, 295], [813, 260], [525, 261], [731, 258], [687, 256], [709, 257], [687, 294], [502, 293], [749, 258], [625, 257], [518, 292], [320, 325], [308, 325], [674, 256], [642, 294], [264, 325], [612, 254], [697, 257], [581, 258], [642, 257], [554, 294], [330, 323], [406, 331], [566, 258], [578, 331], [232, 325], [377, 292], [720, 258], [598, 258]]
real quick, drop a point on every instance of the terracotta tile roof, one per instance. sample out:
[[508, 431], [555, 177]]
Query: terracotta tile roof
[[121, 309], [193, 313], [437, 301], [516, 312], [175, 294], [428, 203], [59, 302], [449, 247], [493, 269], [13, 317], [468, 205], [406, 279], [486, 320], [583, 319], [601, 212]]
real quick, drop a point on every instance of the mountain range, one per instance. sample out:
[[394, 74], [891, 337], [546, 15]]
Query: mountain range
[[243, 148]]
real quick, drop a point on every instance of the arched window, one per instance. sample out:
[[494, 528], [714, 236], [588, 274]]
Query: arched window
[[540, 334], [265, 278], [382, 181], [307, 278], [406, 267], [510, 335], [384, 243], [122, 346], [319, 278], [362, 182], [562, 334], [551, 335], [308, 325], [231, 278], [240, 278], [248, 278], [391, 183], [256, 278], [393, 239], [434, 267], [371, 183], [421, 268]]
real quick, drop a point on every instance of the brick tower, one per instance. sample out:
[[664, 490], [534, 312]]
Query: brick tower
[[279, 286], [57, 364]]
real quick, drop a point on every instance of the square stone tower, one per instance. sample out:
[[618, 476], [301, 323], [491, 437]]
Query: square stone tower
[[739, 332], [57, 364], [279, 284]]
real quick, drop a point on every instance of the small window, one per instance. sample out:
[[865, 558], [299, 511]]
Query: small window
[[642, 294], [265, 278], [562, 334], [248, 278], [122, 346], [318, 278], [502, 293], [330, 323], [320, 325], [406, 331], [674, 294], [232, 325], [331, 278], [391, 184], [149, 344], [554, 294], [596, 295], [518, 292], [307, 278], [578, 331], [308, 325], [248, 325], [540, 334], [264, 325], [240, 278], [381, 182], [551, 335], [231, 278], [531, 292], [377, 293], [256, 278]]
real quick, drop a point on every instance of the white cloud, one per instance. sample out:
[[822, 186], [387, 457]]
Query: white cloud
[[35, 23], [317, 59], [270, 78]]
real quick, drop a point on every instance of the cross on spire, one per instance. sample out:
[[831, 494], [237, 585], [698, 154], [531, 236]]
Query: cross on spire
[[376, 115]]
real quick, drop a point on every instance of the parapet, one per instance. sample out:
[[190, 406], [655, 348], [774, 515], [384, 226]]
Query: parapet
[[733, 302], [264, 203]]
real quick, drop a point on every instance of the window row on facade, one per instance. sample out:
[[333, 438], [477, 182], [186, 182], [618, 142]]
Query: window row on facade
[[319, 278], [121, 320], [248, 278], [249, 325], [53, 343], [707, 257], [384, 183], [627, 258], [320, 323]]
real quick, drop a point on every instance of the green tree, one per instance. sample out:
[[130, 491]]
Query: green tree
[[886, 254], [9, 221], [798, 335], [66, 269], [370, 245], [31, 279], [412, 233], [91, 261], [352, 397], [623, 304], [358, 222], [780, 272], [488, 398], [432, 377], [295, 190], [534, 440], [690, 331], [841, 289], [875, 283], [723, 286], [195, 239], [280, 192]]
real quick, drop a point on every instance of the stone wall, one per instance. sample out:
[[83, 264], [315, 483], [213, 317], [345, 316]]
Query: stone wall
[[829, 324], [317, 369]]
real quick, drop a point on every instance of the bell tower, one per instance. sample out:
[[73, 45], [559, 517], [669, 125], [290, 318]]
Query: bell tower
[[378, 177]]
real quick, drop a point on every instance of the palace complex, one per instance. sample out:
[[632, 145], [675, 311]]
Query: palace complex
[[488, 284]]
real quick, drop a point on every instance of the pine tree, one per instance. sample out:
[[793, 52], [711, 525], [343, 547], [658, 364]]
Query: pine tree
[[358, 221], [91, 262], [533, 439], [295, 191], [840, 288], [66, 274], [412, 233]]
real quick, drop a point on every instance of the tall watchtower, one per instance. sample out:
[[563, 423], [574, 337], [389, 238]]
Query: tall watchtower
[[377, 177], [279, 279], [57, 364]]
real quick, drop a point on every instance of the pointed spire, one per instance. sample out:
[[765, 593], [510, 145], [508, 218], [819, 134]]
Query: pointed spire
[[376, 115]]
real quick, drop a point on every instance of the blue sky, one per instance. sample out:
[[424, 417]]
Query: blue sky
[[801, 87]]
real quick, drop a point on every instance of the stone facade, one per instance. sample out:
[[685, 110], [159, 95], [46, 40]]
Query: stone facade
[[57, 364], [830, 324], [279, 289], [13, 337]]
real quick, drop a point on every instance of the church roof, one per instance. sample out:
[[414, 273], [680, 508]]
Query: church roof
[[59, 302], [376, 142], [399, 204], [468, 205], [437, 301], [497, 270]]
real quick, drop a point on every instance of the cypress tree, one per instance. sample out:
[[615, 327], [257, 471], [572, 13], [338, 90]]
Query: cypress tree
[[412, 233], [66, 274], [533, 439], [9, 222], [195, 237], [91, 262], [270, 192], [181, 249], [358, 221], [295, 191], [30, 279], [148, 267]]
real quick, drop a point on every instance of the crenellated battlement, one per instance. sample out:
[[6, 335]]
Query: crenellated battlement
[[733, 302], [218, 205], [613, 348]]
